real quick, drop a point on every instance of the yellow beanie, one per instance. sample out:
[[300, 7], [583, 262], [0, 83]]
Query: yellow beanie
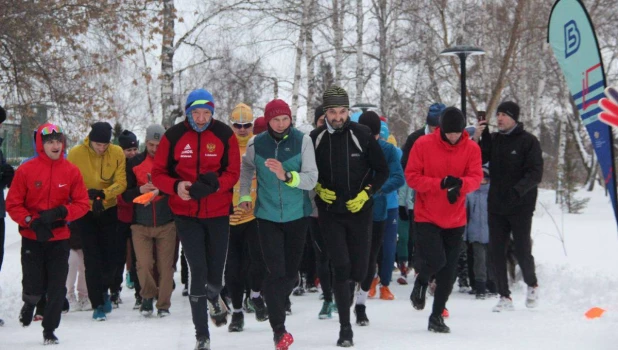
[[241, 114]]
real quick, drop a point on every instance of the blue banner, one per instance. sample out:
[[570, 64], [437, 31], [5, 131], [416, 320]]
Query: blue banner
[[572, 38]]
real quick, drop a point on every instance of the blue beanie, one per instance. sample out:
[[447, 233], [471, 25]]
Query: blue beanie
[[384, 133], [433, 116], [199, 98]]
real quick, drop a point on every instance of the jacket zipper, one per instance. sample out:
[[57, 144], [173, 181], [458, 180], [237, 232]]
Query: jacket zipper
[[279, 182], [197, 176], [154, 213], [330, 158]]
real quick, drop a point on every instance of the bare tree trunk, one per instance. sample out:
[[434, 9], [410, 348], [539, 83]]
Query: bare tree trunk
[[310, 61], [167, 65], [299, 58], [380, 8], [506, 60], [360, 69], [338, 17], [561, 160]]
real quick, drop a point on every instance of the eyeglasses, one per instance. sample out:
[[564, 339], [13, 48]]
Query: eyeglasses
[[50, 129], [242, 126]]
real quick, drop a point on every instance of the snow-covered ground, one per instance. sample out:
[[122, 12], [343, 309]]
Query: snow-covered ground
[[570, 285]]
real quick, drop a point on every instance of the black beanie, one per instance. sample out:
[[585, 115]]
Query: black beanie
[[509, 108], [128, 140], [2, 115], [101, 132], [452, 120], [319, 111], [372, 120]]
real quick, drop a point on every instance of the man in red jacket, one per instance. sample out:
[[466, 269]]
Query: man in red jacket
[[443, 167], [46, 193], [198, 164]]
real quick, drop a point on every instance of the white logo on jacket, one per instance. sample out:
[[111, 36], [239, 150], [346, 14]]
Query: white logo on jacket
[[187, 152]]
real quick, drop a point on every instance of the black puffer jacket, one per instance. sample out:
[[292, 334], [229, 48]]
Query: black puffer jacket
[[516, 169], [348, 161]]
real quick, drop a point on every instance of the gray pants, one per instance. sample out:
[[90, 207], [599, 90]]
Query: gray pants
[[482, 269]]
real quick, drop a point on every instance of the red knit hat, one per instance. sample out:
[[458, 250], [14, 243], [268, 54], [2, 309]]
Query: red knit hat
[[276, 108], [259, 125]]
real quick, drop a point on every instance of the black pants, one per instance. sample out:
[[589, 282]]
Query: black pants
[[243, 239], [205, 245], [103, 252], [438, 251], [377, 237], [348, 238], [45, 267], [124, 230], [184, 268], [308, 264], [500, 229], [322, 261], [282, 247], [133, 271]]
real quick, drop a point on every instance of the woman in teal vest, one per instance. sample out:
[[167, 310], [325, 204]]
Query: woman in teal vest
[[283, 160]]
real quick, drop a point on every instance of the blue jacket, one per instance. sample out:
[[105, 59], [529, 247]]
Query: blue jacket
[[392, 198], [477, 229], [395, 180], [277, 201]]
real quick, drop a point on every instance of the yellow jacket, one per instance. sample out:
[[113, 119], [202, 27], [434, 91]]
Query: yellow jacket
[[106, 172], [239, 216]]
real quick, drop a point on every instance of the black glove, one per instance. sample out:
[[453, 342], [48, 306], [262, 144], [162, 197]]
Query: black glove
[[94, 194], [452, 194], [210, 178], [450, 182], [403, 213], [97, 207], [50, 215], [200, 190], [7, 172], [42, 230]]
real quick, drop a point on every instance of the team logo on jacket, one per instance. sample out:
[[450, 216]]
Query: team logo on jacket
[[211, 147], [187, 152]]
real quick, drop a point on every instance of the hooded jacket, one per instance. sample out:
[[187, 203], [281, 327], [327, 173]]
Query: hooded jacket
[[42, 184], [431, 160], [390, 187], [184, 153], [101, 172], [477, 229]]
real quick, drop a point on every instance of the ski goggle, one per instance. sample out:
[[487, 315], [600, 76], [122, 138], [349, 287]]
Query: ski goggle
[[242, 125], [50, 129]]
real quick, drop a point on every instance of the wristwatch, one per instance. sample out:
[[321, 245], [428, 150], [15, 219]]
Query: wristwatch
[[288, 177], [28, 219]]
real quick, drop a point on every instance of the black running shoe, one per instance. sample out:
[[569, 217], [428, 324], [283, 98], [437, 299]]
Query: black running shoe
[[418, 295], [26, 314]]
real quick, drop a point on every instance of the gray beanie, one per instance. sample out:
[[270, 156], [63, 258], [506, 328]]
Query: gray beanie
[[154, 132]]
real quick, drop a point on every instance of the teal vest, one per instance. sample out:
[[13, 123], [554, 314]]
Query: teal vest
[[277, 201]]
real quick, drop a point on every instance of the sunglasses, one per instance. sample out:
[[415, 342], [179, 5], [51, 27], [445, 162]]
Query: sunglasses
[[50, 129], [242, 126]]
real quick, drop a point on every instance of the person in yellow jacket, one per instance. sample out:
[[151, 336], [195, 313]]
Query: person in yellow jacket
[[243, 237], [102, 166]]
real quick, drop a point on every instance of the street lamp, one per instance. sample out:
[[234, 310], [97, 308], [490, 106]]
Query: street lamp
[[462, 51]]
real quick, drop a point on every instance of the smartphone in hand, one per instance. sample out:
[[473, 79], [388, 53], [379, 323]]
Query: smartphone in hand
[[481, 116]]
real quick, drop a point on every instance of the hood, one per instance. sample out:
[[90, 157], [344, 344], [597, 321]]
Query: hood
[[39, 143]]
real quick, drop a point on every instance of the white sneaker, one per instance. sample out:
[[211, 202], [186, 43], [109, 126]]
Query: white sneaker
[[73, 303], [532, 297], [84, 304], [504, 304]]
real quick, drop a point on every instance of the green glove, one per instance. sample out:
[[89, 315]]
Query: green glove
[[325, 194], [356, 204]]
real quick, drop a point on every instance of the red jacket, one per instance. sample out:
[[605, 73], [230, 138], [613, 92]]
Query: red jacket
[[125, 210], [41, 184], [431, 160], [183, 154]]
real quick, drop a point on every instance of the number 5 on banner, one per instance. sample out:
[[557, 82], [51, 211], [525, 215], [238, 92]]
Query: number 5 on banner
[[609, 105]]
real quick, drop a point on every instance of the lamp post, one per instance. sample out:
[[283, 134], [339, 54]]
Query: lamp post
[[462, 51]]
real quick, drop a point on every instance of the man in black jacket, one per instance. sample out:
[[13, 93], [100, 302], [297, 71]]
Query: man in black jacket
[[516, 167], [351, 168], [153, 228]]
